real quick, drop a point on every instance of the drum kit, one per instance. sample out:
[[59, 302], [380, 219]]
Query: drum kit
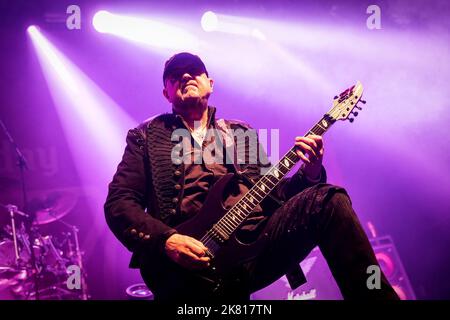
[[34, 264]]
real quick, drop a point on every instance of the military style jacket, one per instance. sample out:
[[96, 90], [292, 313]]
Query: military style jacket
[[143, 203]]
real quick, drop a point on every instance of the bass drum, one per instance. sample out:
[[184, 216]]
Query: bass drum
[[10, 283]]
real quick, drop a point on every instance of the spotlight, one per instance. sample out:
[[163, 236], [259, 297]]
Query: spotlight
[[100, 21], [146, 31], [32, 29], [209, 21], [88, 116]]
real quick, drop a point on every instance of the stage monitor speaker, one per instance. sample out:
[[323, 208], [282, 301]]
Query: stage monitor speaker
[[392, 266]]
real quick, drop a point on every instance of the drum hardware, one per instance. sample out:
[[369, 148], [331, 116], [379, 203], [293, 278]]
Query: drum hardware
[[76, 254], [22, 164], [13, 210], [45, 276], [31, 263]]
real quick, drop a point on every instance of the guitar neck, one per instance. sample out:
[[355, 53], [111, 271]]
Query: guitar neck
[[261, 189]]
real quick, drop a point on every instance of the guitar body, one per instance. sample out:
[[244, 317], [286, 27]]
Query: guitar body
[[232, 252], [225, 265]]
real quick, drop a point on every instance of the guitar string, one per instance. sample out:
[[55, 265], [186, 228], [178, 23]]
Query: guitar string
[[209, 236], [227, 223], [224, 221], [232, 221]]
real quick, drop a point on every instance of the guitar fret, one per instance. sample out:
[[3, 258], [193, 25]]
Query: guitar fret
[[269, 177], [220, 230], [262, 186], [249, 203], [225, 226], [276, 173], [284, 167], [292, 157], [239, 212], [233, 218], [256, 193], [291, 160], [268, 182], [320, 127], [240, 216]]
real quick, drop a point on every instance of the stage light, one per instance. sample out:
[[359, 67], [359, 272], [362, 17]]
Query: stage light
[[101, 21], [32, 30], [209, 21], [93, 124], [258, 34], [145, 31]]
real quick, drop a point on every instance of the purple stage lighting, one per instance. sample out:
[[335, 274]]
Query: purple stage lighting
[[94, 127], [230, 24], [89, 117], [147, 32], [209, 21]]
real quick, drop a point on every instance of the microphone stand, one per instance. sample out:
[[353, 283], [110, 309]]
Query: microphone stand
[[22, 164]]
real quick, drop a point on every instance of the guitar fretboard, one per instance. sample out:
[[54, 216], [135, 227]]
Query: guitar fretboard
[[223, 229]]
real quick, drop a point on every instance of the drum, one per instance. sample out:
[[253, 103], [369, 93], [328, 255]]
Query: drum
[[8, 256], [49, 255]]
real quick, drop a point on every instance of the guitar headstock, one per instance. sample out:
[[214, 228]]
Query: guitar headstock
[[345, 103]]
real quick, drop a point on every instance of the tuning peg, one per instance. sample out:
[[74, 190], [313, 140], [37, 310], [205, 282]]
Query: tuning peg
[[358, 107], [355, 113], [351, 119], [363, 101], [335, 97]]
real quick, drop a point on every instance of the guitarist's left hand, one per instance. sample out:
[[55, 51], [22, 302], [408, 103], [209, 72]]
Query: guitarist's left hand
[[310, 150]]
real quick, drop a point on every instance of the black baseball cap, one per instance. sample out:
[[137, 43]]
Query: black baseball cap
[[181, 63]]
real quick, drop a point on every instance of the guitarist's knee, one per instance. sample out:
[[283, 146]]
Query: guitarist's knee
[[310, 205]]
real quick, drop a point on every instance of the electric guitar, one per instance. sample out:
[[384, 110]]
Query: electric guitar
[[215, 226]]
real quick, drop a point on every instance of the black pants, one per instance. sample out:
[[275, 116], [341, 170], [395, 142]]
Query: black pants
[[318, 216]]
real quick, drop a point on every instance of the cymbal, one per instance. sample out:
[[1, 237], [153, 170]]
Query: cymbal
[[52, 207]]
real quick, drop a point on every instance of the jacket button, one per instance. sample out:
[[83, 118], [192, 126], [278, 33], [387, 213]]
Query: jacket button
[[175, 200], [141, 235], [133, 231], [178, 186], [146, 237], [177, 172], [173, 211]]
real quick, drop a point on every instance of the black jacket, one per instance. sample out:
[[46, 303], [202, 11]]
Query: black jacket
[[132, 209]]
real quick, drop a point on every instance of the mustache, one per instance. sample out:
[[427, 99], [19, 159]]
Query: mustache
[[188, 83]]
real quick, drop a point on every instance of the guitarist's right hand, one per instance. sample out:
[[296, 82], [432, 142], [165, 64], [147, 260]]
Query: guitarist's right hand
[[187, 251]]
